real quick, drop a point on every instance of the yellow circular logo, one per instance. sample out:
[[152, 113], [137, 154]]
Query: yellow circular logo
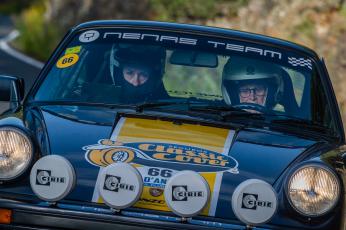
[[67, 60], [107, 156]]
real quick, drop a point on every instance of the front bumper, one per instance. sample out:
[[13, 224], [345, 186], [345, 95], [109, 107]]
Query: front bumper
[[70, 216], [66, 216]]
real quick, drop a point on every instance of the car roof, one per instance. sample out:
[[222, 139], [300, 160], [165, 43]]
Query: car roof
[[198, 29]]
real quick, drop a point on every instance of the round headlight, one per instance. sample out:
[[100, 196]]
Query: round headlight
[[313, 190], [16, 153]]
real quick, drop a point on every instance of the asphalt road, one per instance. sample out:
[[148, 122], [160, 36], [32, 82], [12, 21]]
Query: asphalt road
[[12, 66]]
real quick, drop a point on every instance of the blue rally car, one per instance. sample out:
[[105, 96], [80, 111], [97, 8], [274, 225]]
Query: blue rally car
[[141, 125]]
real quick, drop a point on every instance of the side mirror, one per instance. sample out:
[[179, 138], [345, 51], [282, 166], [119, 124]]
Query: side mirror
[[11, 93]]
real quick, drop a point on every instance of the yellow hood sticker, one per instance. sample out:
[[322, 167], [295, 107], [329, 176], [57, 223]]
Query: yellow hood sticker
[[159, 149]]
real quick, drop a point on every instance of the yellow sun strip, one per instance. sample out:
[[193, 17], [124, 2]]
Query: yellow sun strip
[[73, 50]]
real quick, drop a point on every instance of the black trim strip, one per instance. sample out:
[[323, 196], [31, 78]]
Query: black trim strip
[[47, 217]]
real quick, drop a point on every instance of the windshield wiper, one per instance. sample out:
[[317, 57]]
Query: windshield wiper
[[227, 111], [288, 120], [152, 104], [77, 103]]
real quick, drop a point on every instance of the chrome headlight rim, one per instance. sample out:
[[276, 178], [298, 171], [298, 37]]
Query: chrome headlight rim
[[26, 135], [307, 165]]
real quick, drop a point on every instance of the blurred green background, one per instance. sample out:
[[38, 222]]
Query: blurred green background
[[320, 25]]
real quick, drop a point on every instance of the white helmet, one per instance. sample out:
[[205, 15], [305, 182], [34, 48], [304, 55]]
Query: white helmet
[[241, 70]]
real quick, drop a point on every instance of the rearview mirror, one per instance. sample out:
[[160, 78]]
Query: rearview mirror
[[194, 58]]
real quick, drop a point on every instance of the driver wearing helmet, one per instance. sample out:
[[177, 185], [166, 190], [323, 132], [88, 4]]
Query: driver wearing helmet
[[250, 84], [138, 70]]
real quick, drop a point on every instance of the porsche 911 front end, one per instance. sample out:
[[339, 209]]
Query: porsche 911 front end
[[137, 124]]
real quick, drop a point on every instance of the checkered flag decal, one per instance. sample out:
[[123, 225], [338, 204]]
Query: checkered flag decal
[[300, 62]]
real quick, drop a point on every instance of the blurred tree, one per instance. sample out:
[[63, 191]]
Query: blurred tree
[[68, 13], [38, 37], [14, 6], [194, 10], [181, 10]]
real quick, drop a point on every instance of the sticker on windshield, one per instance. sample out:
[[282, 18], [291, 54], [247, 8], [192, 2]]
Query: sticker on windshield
[[300, 62], [73, 50], [89, 36], [67, 61], [233, 47], [159, 150]]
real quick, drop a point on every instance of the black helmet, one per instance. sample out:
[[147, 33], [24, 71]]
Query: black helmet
[[240, 70], [152, 57]]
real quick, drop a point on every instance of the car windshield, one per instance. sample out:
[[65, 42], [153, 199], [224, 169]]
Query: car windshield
[[130, 67]]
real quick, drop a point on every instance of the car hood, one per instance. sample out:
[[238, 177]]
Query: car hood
[[89, 138]]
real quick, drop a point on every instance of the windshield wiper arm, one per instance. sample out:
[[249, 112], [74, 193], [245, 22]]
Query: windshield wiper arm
[[77, 103], [227, 111], [302, 123], [139, 107]]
